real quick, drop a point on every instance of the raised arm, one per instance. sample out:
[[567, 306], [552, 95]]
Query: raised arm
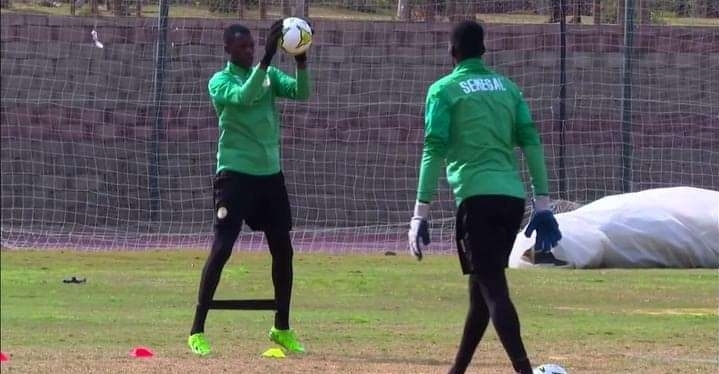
[[225, 89], [297, 88]]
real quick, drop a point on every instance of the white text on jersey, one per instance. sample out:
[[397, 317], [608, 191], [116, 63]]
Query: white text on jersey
[[482, 84]]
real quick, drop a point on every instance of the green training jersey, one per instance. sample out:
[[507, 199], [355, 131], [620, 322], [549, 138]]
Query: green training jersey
[[474, 120], [244, 101]]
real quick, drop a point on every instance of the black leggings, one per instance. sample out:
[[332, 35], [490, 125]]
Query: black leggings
[[281, 251], [489, 299]]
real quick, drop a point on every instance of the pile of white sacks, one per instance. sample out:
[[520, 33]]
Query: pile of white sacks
[[674, 227]]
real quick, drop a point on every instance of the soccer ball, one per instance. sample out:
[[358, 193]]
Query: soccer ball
[[549, 369], [296, 36]]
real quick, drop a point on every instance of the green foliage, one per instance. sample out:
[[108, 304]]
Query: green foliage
[[222, 6], [656, 18], [661, 12]]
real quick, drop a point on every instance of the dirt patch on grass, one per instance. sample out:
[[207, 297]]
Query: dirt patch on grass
[[590, 362]]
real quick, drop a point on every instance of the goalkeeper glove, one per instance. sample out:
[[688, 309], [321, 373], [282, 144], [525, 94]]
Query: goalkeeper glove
[[273, 38], [419, 230], [543, 221], [301, 58]]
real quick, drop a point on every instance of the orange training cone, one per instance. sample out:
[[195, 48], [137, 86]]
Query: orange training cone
[[141, 352]]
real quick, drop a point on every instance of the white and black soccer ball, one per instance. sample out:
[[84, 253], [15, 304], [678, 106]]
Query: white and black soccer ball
[[549, 369], [296, 36]]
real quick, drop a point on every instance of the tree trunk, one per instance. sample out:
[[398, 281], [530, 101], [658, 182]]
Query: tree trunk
[[241, 9], [578, 11], [681, 8], [429, 12], [452, 10], [554, 11], [402, 10], [597, 12], [645, 13], [262, 4], [708, 8], [712, 8]]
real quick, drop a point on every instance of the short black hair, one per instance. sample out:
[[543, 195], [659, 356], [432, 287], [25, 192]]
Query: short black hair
[[233, 32], [468, 39]]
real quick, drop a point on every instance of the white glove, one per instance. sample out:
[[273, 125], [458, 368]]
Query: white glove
[[418, 234]]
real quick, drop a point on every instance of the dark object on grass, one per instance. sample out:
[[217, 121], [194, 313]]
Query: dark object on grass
[[74, 280]]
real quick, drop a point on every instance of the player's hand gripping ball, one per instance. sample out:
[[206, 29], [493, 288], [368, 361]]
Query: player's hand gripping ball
[[296, 36]]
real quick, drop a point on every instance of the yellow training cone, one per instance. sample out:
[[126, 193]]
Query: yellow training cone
[[274, 353]]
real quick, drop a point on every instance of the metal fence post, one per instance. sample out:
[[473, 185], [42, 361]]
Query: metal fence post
[[626, 127], [158, 81], [561, 124]]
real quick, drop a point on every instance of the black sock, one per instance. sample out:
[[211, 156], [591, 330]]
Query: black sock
[[281, 251], [198, 324], [504, 318], [522, 366], [474, 327], [219, 254]]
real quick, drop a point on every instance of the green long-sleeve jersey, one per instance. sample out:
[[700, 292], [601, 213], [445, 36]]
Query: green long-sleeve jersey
[[244, 100], [474, 120]]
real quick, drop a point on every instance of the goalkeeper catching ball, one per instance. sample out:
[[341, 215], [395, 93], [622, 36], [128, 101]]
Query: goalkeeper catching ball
[[474, 120], [249, 186]]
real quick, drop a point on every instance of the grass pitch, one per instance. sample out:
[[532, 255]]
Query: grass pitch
[[354, 313]]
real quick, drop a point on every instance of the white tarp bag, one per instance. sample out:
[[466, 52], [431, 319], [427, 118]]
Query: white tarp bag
[[674, 227]]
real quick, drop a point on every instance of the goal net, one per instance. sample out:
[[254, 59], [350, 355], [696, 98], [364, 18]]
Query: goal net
[[113, 147]]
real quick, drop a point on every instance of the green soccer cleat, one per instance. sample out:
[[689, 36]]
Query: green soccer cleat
[[199, 344], [286, 339]]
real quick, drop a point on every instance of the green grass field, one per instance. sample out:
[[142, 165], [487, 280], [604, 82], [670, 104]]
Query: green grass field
[[355, 313]]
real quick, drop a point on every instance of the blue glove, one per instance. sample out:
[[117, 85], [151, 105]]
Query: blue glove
[[418, 234], [548, 234]]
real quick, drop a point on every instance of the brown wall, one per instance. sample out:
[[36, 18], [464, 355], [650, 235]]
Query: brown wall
[[77, 121]]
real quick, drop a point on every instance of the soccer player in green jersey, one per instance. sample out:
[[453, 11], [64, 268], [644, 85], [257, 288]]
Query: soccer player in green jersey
[[249, 185], [474, 120]]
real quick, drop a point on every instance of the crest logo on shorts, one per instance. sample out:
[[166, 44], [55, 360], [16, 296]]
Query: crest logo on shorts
[[221, 212]]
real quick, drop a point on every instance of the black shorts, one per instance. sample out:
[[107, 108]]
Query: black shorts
[[259, 201], [486, 228]]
